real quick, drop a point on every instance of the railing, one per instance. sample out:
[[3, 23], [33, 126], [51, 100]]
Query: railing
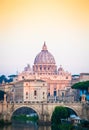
[[43, 102]]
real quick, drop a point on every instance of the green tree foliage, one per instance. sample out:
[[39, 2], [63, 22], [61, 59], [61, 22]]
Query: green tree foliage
[[2, 95], [3, 78], [59, 113], [81, 85]]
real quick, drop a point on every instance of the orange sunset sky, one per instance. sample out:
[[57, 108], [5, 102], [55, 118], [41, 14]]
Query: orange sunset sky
[[26, 24]]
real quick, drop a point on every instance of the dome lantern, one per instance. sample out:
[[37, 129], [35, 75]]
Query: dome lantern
[[44, 47]]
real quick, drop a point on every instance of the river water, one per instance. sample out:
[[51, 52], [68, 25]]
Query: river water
[[25, 126], [29, 126]]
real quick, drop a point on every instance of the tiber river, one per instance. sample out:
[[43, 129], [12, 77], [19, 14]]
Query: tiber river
[[31, 126], [25, 126]]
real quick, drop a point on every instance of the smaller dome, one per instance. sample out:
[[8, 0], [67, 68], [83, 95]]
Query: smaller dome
[[27, 68], [60, 68]]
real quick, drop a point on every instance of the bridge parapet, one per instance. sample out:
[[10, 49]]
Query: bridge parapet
[[37, 102]]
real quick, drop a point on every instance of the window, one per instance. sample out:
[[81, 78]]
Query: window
[[22, 77], [66, 77], [43, 84], [44, 68], [35, 93], [40, 67], [48, 68], [62, 94], [26, 93], [26, 84], [55, 93]]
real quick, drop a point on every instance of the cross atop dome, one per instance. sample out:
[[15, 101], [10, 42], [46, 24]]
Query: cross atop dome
[[44, 47]]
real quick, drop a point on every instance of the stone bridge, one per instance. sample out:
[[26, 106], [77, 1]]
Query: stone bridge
[[43, 109]]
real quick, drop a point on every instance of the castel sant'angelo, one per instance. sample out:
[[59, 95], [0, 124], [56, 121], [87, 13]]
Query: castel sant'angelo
[[44, 68]]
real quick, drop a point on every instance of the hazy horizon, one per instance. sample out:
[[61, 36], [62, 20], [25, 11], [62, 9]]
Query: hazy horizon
[[26, 24]]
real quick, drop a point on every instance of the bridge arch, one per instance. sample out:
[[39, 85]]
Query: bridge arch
[[76, 112], [25, 106], [73, 109]]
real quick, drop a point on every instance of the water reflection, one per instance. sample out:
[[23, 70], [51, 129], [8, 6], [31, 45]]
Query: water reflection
[[44, 128], [17, 125], [25, 126]]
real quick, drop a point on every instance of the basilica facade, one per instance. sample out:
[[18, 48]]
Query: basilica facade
[[45, 68]]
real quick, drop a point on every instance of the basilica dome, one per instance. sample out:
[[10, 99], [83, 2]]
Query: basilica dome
[[44, 57]]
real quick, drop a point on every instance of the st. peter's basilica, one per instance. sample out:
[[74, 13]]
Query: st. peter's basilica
[[45, 68]]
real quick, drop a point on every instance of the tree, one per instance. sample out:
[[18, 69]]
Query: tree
[[59, 113], [2, 95], [3, 78], [81, 85]]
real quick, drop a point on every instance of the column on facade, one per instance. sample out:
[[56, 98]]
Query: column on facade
[[57, 89], [4, 104], [51, 89]]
